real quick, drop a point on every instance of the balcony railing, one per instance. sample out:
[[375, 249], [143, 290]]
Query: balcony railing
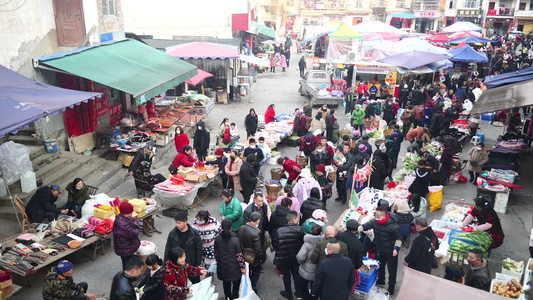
[[425, 5], [501, 12]]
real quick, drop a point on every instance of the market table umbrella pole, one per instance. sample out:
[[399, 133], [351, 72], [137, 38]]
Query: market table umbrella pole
[[12, 203]]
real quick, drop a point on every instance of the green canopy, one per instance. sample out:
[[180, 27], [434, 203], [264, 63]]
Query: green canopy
[[127, 65], [265, 30], [345, 32]]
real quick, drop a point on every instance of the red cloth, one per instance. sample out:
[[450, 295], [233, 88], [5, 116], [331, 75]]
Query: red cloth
[[396, 108], [362, 89], [175, 279], [381, 222], [288, 166], [270, 115], [181, 141], [183, 159], [331, 152]]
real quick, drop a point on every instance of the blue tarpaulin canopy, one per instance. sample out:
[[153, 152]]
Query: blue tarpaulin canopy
[[470, 40], [316, 37], [23, 100], [493, 81], [467, 54]]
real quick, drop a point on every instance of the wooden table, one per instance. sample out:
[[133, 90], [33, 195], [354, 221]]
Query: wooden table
[[148, 222], [94, 240]]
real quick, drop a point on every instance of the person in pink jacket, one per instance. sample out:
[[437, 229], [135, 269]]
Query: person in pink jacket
[[283, 63], [303, 187]]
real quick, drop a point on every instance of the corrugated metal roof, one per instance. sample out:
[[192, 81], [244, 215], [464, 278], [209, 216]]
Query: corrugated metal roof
[[162, 44]]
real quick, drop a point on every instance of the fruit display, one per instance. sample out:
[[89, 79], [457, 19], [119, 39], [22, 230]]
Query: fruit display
[[511, 289]]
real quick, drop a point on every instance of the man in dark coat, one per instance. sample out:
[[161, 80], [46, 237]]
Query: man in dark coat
[[201, 140], [250, 237], [278, 218], [122, 285], [302, 66], [342, 170], [287, 242], [319, 157], [377, 178], [308, 110], [388, 240], [186, 238], [423, 249], [248, 177], [330, 119], [250, 123], [335, 276], [355, 247], [42, 206], [319, 254], [259, 156], [478, 275], [258, 205]]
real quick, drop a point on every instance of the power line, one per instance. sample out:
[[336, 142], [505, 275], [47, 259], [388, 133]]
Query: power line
[[8, 10]]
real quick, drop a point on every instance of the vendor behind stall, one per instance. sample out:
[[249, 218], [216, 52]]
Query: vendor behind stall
[[221, 162], [487, 220], [78, 193], [183, 158], [41, 205], [140, 169], [291, 167]]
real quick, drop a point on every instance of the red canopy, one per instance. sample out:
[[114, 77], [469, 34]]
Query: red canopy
[[203, 50], [202, 75], [438, 38]]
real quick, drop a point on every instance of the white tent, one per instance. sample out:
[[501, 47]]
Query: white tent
[[461, 27], [388, 48]]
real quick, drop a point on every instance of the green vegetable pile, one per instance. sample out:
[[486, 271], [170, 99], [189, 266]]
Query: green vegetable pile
[[371, 134], [465, 241]]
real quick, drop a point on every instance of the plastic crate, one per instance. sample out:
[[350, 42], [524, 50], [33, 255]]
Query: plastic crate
[[367, 280]]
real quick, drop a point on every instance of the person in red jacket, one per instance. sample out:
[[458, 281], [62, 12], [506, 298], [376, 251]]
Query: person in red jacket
[[184, 158], [181, 139], [329, 149], [362, 89], [291, 167], [176, 274], [270, 114]]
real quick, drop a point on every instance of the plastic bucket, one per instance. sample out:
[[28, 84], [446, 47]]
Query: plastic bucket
[[481, 137], [50, 145]]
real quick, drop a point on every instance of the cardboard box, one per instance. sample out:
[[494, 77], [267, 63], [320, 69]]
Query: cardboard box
[[6, 283], [126, 158], [184, 171], [528, 271], [139, 205], [516, 275], [6, 287], [193, 177], [104, 214]]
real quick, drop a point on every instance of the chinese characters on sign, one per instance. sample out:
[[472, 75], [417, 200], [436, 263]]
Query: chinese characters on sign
[[468, 13]]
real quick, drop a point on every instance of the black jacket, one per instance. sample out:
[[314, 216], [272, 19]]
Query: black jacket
[[319, 158], [348, 165], [386, 234], [201, 138], [154, 286], [287, 243], [478, 277], [309, 206], [377, 178], [226, 252], [193, 246], [264, 224], [355, 247], [278, 218], [250, 123], [422, 251], [122, 287], [41, 203], [248, 177], [402, 218], [250, 238], [221, 163], [334, 278], [259, 156]]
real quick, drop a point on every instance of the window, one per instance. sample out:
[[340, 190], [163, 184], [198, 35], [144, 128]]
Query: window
[[400, 3], [522, 6], [531, 5], [306, 21], [471, 4], [358, 3], [384, 2], [505, 4], [108, 7], [452, 4]]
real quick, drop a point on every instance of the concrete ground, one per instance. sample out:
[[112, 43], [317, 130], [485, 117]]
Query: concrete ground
[[281, 89]]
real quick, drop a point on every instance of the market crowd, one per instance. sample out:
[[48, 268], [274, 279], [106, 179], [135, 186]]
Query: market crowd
[[314, 260]]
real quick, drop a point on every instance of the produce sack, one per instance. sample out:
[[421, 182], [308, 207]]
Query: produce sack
[[435, 197]]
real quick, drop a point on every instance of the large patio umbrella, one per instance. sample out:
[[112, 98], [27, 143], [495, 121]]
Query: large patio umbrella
[[461, 27], [467, 54], [438, 38], [413, 59], [471, 40]]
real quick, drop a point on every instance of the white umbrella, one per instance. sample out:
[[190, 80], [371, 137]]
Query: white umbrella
[[461, 27]]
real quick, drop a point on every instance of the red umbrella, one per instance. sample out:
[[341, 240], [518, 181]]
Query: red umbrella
[[438, 38]]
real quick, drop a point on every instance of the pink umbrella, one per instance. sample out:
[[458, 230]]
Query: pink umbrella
[[203, 50], [202, 75]]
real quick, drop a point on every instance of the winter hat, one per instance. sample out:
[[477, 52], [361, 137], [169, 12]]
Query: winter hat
[[55, 187], [356, 133], [181, 216], [394, 134], [352, 225], [298, 112], [319, 214], [305, 173], [64, 266], [362, 148], [219, 151], [365, 137], [125, 208], [321, 168], [403, 207]]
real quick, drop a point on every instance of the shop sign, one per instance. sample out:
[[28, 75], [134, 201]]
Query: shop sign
[[102, 103], [369, 69], [391, 77], [468, 13], [427, 14]]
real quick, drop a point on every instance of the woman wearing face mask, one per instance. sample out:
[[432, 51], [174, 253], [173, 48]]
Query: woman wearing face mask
[[233, 167], [78, 193], [201, 141], [477, 157], [209, 228], [231, 209], [487, 220], [181, 139], [224, 135]]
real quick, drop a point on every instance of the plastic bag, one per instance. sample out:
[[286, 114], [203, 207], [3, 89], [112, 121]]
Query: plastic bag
[[14, 161], [245, 289], [435, 197], [378, 293], [105, 227]]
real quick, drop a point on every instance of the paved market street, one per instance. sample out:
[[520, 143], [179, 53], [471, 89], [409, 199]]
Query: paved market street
[[281, 89]]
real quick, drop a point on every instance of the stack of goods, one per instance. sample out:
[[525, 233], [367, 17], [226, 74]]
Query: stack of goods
[[455, 213], [6, 283], [199, 173], [133, 141], [274, 132], [139, 206], [107, 211], [433, 149], [460, 127], [508, 289], [369, 275], [513, 268], [505, 155], [174, 187], [463, 242], [502, 175]]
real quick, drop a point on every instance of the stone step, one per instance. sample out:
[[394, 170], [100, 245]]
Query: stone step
[[117, 179], [25, 140], [104, 174], [26, 131]]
